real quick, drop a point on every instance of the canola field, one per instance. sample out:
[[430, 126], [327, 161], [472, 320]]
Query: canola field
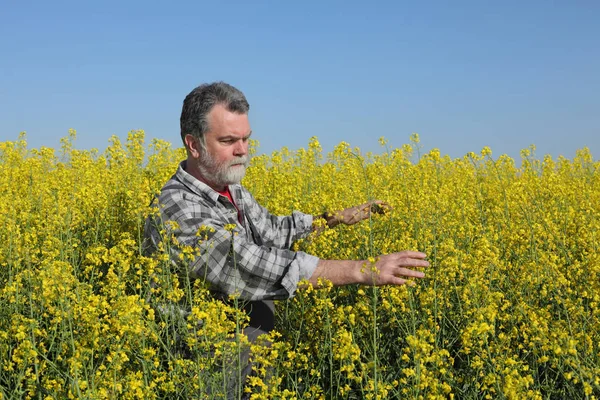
[[509, 309]]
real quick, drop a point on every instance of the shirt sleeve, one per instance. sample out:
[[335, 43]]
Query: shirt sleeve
[[277, 231], [234, 265], [231, 263]]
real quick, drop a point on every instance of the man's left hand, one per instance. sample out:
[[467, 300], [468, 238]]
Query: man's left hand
[[352, 215]]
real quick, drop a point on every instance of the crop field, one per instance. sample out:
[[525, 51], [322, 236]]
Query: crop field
[[509, 308]]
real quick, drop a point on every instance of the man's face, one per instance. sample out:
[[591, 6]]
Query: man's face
[[225, 159]]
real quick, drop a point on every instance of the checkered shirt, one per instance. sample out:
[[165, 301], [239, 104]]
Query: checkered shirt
[[253, 260]]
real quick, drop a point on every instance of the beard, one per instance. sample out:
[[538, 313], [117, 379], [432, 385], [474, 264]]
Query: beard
[[224, 173]]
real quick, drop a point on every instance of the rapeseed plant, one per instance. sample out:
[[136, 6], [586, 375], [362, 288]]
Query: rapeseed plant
[[510, 307]]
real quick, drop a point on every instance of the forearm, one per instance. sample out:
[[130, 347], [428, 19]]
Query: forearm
[[389, 269], [339, 272]]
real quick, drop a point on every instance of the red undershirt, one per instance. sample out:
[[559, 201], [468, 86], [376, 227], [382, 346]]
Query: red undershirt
[[227, 194]]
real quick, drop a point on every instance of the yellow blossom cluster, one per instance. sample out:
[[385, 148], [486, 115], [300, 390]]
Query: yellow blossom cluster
[[509, 308]]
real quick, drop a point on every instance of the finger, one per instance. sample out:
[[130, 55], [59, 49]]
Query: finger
[[381, 203], [412, 254], [413, 263], [376, 208], [406, 262], [409, 273], [379, 207], [398, 281], [387, 207]]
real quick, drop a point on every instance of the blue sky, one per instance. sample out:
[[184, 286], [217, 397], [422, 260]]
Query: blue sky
[[463, 74]]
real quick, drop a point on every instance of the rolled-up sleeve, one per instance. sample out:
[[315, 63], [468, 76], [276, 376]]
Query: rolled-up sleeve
[[231, 264]]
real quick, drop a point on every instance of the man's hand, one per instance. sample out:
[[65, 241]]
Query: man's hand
[[352, 215], [390, 268]]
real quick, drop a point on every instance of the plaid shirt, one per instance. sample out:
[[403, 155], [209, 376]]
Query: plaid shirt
[[254, 259]]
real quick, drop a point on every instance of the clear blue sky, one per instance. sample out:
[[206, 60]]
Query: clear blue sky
[[463, 74]]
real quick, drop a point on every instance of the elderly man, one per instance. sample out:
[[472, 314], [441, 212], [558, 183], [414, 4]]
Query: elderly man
[[248, 251]]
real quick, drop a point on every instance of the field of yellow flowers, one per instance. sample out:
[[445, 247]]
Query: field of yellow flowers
[[510, 307]]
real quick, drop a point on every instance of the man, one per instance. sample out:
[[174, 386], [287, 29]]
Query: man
[[247, 250]]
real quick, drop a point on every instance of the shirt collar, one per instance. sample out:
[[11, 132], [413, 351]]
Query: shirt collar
[[199, 187]]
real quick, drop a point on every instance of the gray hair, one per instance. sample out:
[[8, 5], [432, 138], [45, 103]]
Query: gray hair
[[197, 105]]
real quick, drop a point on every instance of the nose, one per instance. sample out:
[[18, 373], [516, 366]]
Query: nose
[[241, 148]]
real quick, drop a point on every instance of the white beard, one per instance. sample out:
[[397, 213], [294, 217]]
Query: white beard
[[222, 174]]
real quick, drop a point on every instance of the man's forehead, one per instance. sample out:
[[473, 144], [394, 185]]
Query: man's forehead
[[220, 111], [223, 122]]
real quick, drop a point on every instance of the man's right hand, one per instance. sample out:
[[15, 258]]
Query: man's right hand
[[389, 269]]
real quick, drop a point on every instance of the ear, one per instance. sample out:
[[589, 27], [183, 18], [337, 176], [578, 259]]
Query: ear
[[193, 145]]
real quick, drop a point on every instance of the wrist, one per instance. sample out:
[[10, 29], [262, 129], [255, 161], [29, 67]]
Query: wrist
[[331, 219], [368, 272], [361, 272]]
